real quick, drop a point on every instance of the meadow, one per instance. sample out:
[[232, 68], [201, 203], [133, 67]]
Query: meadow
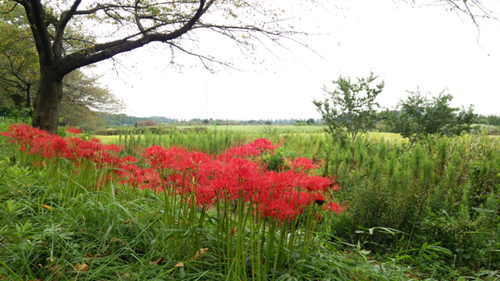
[[146, 209]]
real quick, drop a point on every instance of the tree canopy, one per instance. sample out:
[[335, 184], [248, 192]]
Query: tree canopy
[[83, 96], [420, 115], [72, 34], [18, 59], [85, 100], [350, 108]]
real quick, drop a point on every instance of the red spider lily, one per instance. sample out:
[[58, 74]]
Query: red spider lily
[[318, 199], [22, 135], [73, 130], [243, 151], [160, 158], [304, 163], [234, 174], [317, 183], [205, 196], [129, 159], [333, 207], [250, 150], [49, 146], [263, 145]]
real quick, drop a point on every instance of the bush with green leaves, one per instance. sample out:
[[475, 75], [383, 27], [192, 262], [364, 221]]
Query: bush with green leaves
[[420, 115], [440, 189], [349, 110]]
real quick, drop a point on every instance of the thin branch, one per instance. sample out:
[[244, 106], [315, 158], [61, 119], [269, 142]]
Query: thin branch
[[86, 57], [201, 57], [12, 9]]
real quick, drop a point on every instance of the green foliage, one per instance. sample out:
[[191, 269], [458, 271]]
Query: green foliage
[[22, 115], [419, 116], [83, 96], [57, 226], [85, 100], [427, 191], [18, 58], [277, 160], [493, 120], [401, 202], [349, 109], [430, 191]]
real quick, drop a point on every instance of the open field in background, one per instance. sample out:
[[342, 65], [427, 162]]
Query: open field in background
[[294, 141], [241, 128], [254, 131], [259, 131], [278, 128]]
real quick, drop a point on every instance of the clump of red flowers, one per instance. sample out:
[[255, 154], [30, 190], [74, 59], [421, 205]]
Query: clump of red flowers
[[234, 174], [74, 131]]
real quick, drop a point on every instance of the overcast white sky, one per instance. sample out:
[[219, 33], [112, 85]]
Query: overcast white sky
[[407, 47]]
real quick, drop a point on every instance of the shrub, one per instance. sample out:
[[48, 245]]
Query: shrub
[[419, 116], [429, 190]]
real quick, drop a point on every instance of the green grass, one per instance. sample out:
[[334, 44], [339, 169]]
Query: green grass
[[58, 226], [280, 129], [403, 201], [259, 131], [246, 129]]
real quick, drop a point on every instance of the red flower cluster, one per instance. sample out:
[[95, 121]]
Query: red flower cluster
[[229, 176], [304, 163], [74, 131], [253, 149], [36, 141]]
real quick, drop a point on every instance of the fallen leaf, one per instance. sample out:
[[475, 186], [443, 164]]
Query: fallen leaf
[[47, 207], [180, 264], [155, 262], [91, 256], [201, 252], [81, 267], [57, 270]]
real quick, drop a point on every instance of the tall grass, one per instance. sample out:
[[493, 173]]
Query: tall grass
[[407, 204], [215, 139], [72, 219], [432, 191], [437, 190]]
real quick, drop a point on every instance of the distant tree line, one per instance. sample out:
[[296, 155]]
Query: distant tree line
[[492, 120], [126, 120]]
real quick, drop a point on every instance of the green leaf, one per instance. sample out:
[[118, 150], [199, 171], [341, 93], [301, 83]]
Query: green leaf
[[482, 210]]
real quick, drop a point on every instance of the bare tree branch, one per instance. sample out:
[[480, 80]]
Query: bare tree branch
[[104, 51]]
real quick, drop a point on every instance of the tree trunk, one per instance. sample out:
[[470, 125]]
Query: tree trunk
[[28, 96], [48, 101], [18, 101]]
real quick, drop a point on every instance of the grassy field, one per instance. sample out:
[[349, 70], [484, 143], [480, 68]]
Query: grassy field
[[259, 131], [256, 131], [280, 129], [422, 211]]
